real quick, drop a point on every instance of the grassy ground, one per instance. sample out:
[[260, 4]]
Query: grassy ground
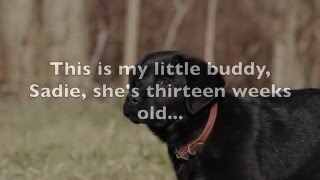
[[51, 142]]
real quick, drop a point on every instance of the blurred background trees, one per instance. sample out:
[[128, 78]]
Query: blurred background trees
[[93, 140], [285, 35]]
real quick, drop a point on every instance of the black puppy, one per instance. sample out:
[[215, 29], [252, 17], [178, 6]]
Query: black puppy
[[252, 138]]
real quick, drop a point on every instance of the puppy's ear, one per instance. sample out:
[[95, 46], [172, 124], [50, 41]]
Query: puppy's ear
[[178, 58], [202, 81]]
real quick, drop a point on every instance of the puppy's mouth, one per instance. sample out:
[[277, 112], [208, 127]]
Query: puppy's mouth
[[132, 115]]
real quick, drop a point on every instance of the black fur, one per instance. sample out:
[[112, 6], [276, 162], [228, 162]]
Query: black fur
[[253, 138]]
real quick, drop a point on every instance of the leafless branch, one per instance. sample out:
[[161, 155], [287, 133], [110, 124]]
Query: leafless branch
[[100, 46], [102, 40], [177, 3], [173, 28]]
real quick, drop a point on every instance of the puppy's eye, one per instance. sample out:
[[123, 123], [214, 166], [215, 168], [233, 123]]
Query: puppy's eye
[[164, 82]]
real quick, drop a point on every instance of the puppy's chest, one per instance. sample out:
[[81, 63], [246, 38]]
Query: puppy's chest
[[190, 170], [197, 169], [206, 168], [204, 165]]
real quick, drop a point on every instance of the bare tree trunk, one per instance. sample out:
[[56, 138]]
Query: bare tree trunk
[[309, 42], [67, 37], [285, 52], [131, 35], [2, 66], [2, 61], [210, 31], [132, 32], [296, 50], [20, 33]]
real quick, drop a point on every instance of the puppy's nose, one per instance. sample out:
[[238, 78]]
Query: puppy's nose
[[134, 100]]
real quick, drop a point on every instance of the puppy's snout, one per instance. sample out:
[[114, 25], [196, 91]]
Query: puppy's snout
[[134, 100]]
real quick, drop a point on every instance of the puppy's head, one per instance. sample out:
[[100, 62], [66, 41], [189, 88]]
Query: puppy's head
[[177, 105]]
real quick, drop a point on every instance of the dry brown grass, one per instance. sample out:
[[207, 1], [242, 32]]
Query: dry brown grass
[[51, 142]]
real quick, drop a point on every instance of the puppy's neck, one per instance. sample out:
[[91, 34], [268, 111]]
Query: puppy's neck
[[182, 132]]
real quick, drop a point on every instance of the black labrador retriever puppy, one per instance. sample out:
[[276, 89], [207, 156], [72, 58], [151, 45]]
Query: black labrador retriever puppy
[[228, 137]]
